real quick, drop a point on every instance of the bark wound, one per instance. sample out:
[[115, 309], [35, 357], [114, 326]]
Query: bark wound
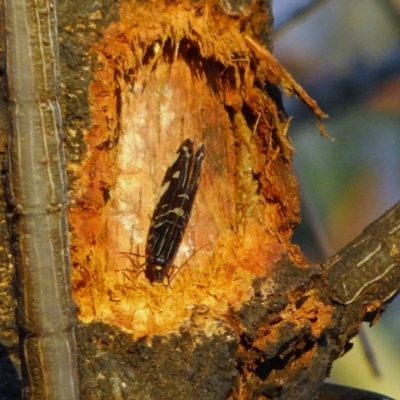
[[158, 82], [163, 75]]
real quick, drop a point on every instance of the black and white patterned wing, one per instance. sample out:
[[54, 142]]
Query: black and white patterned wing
[[183, 203], [174, 206]]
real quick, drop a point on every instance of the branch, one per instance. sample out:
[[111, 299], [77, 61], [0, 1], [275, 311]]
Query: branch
[[367, 270], [295, 15], [331, 391], [37, 202]]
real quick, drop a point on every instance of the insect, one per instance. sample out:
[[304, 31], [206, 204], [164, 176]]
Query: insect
[[172, 212]]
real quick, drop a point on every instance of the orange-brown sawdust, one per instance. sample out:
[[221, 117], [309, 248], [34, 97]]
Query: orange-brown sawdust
[[217, 277]]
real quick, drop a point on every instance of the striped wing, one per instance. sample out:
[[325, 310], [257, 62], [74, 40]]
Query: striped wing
[[174, 206]]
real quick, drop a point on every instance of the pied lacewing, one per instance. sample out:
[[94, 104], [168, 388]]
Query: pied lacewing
[[172, 212]]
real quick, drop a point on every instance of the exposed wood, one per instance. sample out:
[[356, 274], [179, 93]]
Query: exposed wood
[[163, 76]]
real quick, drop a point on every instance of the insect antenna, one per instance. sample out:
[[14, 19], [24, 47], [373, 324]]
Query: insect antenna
[[172, 277]]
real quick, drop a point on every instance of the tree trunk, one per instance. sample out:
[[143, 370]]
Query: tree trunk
[[245, 316], [37, 203]]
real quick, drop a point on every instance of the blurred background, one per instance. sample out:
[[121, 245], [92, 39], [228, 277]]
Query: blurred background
[[346, 55]]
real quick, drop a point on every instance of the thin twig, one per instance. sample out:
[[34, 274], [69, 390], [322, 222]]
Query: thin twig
[[295, 15]]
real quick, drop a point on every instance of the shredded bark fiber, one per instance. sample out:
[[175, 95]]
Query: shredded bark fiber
[[160, 78], [163, 75]]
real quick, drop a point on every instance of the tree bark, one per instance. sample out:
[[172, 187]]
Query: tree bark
[[37, 204], [246, 316]]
